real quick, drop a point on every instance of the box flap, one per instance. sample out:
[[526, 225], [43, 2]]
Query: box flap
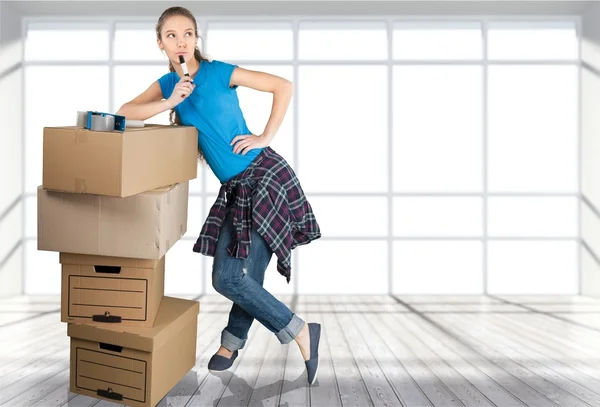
[[149, 126], [173, 315], [162, 190], [91, 260]]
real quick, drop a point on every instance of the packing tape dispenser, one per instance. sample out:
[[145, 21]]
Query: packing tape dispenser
[[100, 121]]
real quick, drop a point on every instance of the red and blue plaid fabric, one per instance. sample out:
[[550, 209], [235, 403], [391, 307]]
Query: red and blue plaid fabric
[[267, 196]]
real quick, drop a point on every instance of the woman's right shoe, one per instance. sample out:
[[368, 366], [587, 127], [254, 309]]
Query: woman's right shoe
[[312, 364], [220, 362]]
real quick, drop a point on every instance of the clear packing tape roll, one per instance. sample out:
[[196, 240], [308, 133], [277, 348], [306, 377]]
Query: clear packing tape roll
[[98, 121], [102, 123]]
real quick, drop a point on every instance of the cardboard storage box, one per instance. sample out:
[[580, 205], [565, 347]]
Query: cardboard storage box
[[137, 367], [111, 290], [142, 226], [118, 163]]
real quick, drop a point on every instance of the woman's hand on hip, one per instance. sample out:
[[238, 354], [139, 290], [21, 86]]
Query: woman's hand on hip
[[246, 142]]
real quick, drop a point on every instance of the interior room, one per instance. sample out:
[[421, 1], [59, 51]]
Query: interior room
[[437, 242]]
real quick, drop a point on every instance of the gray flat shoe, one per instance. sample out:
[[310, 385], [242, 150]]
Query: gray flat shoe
[[312, 364], [220, 362]]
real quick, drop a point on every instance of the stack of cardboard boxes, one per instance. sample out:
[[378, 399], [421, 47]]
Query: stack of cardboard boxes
[[112, 204]]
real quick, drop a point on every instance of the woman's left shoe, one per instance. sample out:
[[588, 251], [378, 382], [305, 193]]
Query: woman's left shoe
[[219, 362], [312, 364]]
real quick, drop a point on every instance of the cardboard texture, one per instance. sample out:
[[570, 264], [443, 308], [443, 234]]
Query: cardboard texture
[[143, 226], [111, 290], [118, 163], [137, 367]]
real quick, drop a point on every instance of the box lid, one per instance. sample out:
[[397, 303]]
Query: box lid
[[91, 260], [173, 315]]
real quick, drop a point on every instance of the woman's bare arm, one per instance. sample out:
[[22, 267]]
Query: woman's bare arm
[[146, 105]]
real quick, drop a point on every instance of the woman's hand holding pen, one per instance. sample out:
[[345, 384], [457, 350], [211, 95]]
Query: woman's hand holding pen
[[182, 90]]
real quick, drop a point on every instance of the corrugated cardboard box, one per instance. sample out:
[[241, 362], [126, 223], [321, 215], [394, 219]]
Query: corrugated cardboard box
[[118, 163], [140, 366], [142, 226], [111, 290]]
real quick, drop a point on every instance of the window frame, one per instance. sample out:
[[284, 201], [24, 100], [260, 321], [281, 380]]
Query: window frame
[[390, 21]]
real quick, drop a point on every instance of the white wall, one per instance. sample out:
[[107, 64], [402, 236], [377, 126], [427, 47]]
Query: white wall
[[11, 152], [590, 105]]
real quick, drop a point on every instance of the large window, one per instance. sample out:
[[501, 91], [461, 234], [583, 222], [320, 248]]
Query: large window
[[439, 156]]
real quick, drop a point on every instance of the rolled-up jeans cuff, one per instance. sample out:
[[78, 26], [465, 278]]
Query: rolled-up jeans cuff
[[231, 342], [287, 334]]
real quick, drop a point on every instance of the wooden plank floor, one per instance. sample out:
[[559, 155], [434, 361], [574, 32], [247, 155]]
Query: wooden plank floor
[[376, 351]]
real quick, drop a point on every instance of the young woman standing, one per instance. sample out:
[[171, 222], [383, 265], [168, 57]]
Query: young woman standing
[[261, 208]]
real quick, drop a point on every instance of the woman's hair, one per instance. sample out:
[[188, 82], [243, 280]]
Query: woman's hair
[[184, 12]]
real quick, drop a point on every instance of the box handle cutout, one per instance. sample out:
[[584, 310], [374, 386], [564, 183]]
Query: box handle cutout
[[106, 317], [109, 394], [107, 269], [108, 346]]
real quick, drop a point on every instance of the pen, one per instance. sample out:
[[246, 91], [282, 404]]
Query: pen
[[184, 67]]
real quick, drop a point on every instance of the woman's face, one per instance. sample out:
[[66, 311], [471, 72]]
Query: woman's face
[[178, 37]]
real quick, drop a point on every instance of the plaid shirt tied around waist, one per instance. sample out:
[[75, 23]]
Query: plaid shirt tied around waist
[[266, 196]]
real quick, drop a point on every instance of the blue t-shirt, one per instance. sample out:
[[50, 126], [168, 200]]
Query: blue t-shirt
[[214, 109]]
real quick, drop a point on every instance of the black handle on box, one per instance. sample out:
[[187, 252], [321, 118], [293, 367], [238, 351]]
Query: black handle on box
[[106, 317], [108, 346], [109, 394], [107, 269]]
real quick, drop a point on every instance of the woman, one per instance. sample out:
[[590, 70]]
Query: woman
[[261, 208]]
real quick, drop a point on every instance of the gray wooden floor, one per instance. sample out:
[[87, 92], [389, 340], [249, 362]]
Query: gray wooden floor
[[376, 350]]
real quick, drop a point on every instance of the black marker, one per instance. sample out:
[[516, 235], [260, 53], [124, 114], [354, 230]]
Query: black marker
[[184, 66]]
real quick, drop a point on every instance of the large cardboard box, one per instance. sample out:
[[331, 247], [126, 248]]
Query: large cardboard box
[[118, 163], [142, 226], [139, 366], [111, 290]]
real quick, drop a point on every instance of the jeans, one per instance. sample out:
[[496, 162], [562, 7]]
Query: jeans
[[241, 280]]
